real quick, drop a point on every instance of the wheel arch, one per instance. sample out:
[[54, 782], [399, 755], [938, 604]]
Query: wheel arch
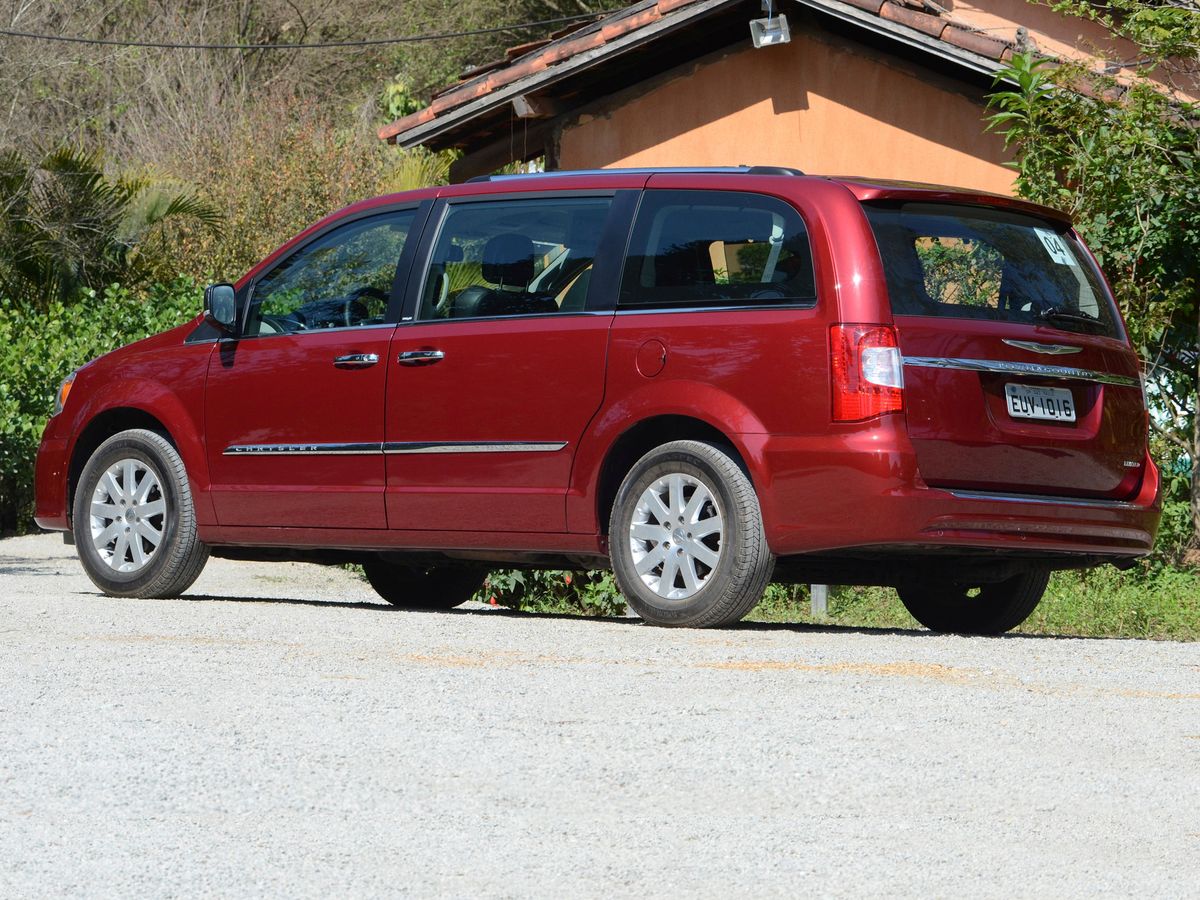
[[638, 440], [100, 428]]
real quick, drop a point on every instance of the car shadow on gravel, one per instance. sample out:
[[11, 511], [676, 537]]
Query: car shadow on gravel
[[291, 601], [24, 570], [505, 613], [747, 626]]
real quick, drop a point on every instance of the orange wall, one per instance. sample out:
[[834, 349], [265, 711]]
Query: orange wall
[[820, 104]]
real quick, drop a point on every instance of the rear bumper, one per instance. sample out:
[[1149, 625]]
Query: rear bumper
[[864, 491]]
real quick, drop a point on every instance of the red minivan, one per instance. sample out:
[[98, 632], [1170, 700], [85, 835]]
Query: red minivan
[[705, 378]]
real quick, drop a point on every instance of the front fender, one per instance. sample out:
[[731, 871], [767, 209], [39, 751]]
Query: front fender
[[166, 385]]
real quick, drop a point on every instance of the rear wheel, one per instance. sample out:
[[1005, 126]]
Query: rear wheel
[[133, 518], [686, 537], [417, 587], [963, 607]]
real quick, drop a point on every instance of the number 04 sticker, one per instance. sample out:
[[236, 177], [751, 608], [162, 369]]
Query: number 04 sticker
[[1056, 247]]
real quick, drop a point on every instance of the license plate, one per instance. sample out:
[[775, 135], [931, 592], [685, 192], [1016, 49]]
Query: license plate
[[1027, 402]]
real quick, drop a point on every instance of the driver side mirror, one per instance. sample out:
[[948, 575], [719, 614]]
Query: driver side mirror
[[220, 307]]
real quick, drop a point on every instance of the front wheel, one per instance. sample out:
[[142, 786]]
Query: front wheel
[[686, 537], [417, 587], [134, 522], [963, 607]]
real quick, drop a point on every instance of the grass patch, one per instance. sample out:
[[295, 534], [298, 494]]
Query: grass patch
[[1098, 603]]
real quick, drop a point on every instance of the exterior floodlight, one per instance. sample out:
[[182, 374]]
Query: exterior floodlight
[[770, 31]]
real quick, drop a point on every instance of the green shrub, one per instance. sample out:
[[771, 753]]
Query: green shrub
[[576, 593], [39, 348]]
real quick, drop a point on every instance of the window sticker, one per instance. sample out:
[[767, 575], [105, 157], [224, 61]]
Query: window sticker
[[1056, 247]]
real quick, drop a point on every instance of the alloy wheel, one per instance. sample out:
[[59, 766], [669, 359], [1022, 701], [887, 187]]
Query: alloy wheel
[[128, 515], [675, 536]]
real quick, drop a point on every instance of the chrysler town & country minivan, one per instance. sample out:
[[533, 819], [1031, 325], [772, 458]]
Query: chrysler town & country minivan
[[706, 378]]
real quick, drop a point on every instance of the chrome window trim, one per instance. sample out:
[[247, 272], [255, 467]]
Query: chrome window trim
[[1044, 499], [303, 331], [409, 320], [393, 448], [803, 304], [1008, 367]]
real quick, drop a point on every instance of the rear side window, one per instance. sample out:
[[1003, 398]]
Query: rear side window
[[514, 257], [694, 249], [976, 263]]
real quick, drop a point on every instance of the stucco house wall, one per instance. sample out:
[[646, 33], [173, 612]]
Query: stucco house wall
[[821, 104]]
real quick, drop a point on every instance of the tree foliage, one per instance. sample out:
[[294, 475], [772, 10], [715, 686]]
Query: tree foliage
[[65, 226]]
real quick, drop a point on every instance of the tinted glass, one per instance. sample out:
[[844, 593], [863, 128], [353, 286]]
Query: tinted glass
[[976, 263], [343, 279], [716, 248], [514, 257]]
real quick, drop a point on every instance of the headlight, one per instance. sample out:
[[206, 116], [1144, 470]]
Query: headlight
[[64, 390]]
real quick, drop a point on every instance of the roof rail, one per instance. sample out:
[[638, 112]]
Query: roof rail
[[649, 170]]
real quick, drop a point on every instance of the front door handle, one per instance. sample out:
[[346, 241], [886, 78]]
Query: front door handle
[[356, 360], [420, 357]]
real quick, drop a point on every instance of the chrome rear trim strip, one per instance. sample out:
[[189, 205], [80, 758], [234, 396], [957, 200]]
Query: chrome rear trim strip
[[303, 450], [1044, 500], [1008, 367], [400, 447]]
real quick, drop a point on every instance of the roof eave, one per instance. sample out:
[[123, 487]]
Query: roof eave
[[503, 95], [442, 124]]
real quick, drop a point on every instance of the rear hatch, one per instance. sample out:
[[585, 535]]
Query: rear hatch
[[1018, 377]]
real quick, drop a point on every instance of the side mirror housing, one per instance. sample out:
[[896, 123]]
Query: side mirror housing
[[220, 307]]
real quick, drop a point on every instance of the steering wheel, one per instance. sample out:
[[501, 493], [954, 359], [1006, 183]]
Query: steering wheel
[[293, 321], [357, 309]]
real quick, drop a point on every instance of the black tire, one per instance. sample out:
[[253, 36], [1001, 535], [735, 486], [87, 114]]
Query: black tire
[[722, 592], [171, 566], [967, 608], [415, 587]]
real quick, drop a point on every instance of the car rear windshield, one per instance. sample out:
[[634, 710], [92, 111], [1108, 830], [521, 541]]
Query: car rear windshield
[[970, 262]]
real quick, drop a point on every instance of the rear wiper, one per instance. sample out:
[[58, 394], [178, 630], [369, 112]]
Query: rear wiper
[[1061, 314]]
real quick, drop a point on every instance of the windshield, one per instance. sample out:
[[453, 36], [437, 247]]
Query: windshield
[[976, 263]]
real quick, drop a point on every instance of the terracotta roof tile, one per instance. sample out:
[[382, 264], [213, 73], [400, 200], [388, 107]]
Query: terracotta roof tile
[[975, 42], [931, 25], [522, 49], [871, 6], [535, 56]]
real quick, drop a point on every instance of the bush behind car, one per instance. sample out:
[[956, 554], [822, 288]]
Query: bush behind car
[[39, 348]]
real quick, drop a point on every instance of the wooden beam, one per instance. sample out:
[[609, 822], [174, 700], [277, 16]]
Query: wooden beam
[[530, 106]]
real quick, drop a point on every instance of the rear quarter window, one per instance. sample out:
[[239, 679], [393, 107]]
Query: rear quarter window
[[977, 263]]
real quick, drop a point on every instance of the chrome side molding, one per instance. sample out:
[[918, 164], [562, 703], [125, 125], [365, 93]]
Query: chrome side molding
[[301, 450], [1008, 367], [393, 448]]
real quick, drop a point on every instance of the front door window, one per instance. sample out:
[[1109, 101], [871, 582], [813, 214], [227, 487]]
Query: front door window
[[341, 280]]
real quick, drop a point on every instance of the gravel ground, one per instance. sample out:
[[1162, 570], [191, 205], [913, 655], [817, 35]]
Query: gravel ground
[[278, 731]]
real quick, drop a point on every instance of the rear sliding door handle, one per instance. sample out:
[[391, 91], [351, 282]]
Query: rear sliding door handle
[[356, 360], [420, 357]]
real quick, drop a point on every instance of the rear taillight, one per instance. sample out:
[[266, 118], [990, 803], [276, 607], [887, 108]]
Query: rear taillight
[[868, 378]]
